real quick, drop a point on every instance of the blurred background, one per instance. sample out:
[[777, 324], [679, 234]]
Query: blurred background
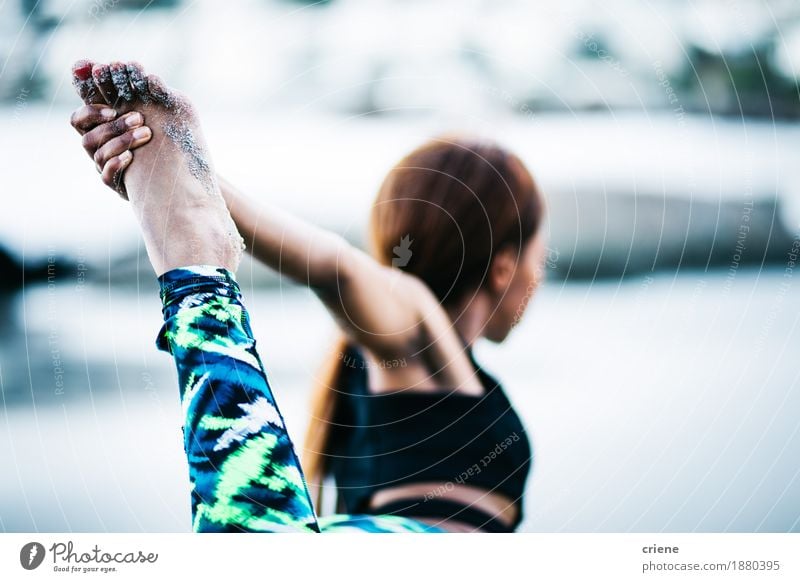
[[657, 370]]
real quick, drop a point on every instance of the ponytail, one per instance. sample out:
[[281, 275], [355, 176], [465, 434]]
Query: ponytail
[[325, 397]]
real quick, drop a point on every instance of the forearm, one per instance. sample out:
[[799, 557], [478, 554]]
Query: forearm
[[297, 249], [244, 471]]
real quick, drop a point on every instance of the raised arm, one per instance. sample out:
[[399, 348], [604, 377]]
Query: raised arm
[[382, 308]]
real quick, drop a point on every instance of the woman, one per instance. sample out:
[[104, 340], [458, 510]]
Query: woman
[[404, 418]]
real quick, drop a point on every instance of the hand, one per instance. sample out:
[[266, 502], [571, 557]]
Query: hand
[[110, 141]]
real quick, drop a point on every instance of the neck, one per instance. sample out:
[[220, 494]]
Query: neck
[[469, 316]]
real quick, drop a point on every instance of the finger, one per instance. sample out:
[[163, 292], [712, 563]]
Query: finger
[[138, 81], [119, 76], [129, 140], [102, 78], [159, 92], [114, 171], [88, 117], [83, 82], [105, 132]]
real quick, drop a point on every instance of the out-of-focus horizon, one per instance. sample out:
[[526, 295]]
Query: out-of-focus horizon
[[662, 116], [656, 370]]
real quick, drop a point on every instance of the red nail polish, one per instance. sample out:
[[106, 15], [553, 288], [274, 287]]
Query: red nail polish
[[82, 70]]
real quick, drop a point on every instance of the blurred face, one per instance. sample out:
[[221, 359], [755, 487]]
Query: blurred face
[[514, 280]]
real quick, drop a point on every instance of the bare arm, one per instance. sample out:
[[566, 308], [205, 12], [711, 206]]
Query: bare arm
[[382, 308], [391, 314]]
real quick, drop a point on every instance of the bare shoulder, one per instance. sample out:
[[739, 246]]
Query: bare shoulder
[[413, 288], [435, 358], [417, 298]]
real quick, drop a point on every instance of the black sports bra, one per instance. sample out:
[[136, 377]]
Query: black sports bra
[[407, 437]]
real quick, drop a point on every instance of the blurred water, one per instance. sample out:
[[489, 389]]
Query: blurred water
[[622, 190], [656, 402], [664, 403]]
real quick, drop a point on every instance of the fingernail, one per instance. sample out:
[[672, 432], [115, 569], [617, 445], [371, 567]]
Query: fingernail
[[133, 120], [125, 156], [108, 113], [82, 69], [141, 133]]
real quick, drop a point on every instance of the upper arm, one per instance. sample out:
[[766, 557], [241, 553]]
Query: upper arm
[[381, 308]]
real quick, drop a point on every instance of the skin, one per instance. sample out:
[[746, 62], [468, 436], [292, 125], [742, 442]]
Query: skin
[[183, 221], [390, 314]]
